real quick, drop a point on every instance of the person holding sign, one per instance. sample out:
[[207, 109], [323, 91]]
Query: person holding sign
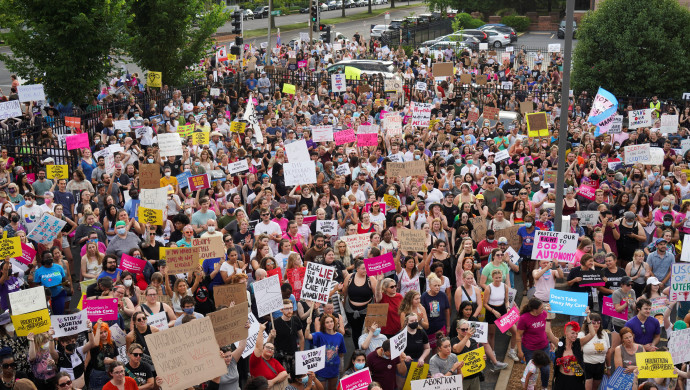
[[445, 362], [51, 275], [464, 343], [71, 357], [569, 371], [496, 305], [335, 349], [102, 355], [262, 363]]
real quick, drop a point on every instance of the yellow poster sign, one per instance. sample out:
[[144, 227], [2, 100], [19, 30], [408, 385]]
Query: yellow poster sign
[[537, 124], [655, 364], [474, 362], [162, 252], [415, 373], [57, 171], [232, 57], [185, 130], [200, 138], [154, 79], [391, 201], [10, 247], [35, 322], [289, 88], [238, 127], [352, 73], [150, 216]]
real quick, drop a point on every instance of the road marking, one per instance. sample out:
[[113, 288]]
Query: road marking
[[540, 33], [552, 36]]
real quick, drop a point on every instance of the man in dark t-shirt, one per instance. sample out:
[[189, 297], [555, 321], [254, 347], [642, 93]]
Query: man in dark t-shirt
[[140, 371]]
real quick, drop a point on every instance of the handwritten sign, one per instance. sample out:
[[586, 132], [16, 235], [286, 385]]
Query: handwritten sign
[[568, 302], [210, 247], [103, 309], [34, 322], [289, 88], [416, 372], [299, 173], [170, 144], [412, 240], [10, 109], [155, 198], [31, 92], [588, 218], [474, 362], [25, 301], [344, 137], [150, 216], [327, 227], [47, 229], [637, 153], [380, 264], [268, 295], [149, 176], [57, 171], [226, 294], [357, 243], [507, 320], [154, 79], [481, 331], [678, 346], [311, 360], [639, 118], [453, 382], [655, 364], [182, 260], [229, 324], [421, 114], [338, 83], [680, 282], [317, 282]]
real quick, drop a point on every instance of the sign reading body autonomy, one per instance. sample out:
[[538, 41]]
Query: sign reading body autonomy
[[554, 246]]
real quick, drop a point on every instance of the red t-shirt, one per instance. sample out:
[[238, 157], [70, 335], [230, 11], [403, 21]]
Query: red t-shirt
[[130, 384], [257, 367], [484, 248], [393, 323]]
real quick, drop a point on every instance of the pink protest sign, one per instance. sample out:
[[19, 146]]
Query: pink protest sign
[[132, 264], [586, 192], [511, 317], [198, 182], [609, 310], [371, 139], [380, 264], [309, 220], [344, 136], [77, 141], [301, 64], [367, 207], [31, 178], [27, 256], [104, 309], [358, 381]]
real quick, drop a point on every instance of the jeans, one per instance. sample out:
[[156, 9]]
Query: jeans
[[57, 303], [98, 379], [544, 370]]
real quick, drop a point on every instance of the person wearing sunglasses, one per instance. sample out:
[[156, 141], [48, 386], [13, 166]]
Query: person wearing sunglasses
[[71, 358], [64, 381], [9, 369], [138, 370], [140, 330]]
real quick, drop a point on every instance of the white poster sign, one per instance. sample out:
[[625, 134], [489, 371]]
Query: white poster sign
[[155, 198], [327, 227], [159, 320], [297, 151], [253, 334], [554, 47], [311, 360], [299, 173], [637, 153], [322, 133], [398, 343], [69, 324], [317, 282], [268, 295], [47, 229], [169, 144], [26, 301], [639, 118], [338, 82], [481, 331], [10, 109], [238, 166], [669, 123], [33, 92]]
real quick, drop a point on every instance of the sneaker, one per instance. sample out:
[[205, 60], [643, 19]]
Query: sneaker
[[498, 366], [513, 355]]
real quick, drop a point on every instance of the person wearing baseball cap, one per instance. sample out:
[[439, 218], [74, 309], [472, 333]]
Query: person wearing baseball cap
[[660, 262]]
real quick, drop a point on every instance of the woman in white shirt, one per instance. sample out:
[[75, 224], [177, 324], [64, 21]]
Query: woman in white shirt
[[594, 352]]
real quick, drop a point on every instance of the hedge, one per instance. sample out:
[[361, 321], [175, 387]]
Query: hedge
[[519, 23]]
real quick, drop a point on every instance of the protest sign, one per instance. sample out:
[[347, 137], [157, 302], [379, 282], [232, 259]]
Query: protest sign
[[380, 264], [514, 240], [47, 229], [554, 47], [57, 171], [317, 282], [680, 283], [357, 243], [10, 247], [526, 107], [415, 373], [420, 86], [253, 334], [550, 176], [238, 166], [474, 362], [412, 240], [392, 85], [398, 343], [537, 124], [421, 114], [554, 246], [169, 144], [568, 302], [25, 301], [224, 295], [392, 124], [149, 176], [392, 202], [69, 324], [481, 331], [103, 309], [268, 296], [442, 69], [182, 260], [359, 380], [77, 141], [415, 168], [453, 382], [592, 278], [491, 113], [344, 137], [10, 109], [659, 305], [504, 155], [72, 121], [31, 92], [238, 127], [588, 218], [395, 169], [603, 110], [186, 355], [122, 125], [639, 118], [655, 364], [669, 123], [154, 79], [507, 320], [311, 360], [27, 256], [327, 227], [116, 333], [343, 169], [34, 322], [376, 313], [132, 264], [210, 247], [618, 381], [367, 139], [289, 88], [338, 83], [150, 216], [153, 198], [322, 133], [185, 130], [159, 320], [229, 324], [295, 276], [608, 309], [297, 151], [678, 344], [199, 182], [299, 173]]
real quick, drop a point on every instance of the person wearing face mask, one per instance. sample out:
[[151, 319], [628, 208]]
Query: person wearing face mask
[[187, 305], [51, 275], [124, 241], [42, 357], [212, 229], [71, 357], [372, 339], [30, 212]]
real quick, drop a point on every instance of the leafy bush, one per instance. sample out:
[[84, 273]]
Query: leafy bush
[[506, 12], [464, 20], [519, 23]]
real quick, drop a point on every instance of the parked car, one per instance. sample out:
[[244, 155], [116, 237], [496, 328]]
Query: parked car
[[455, 45], [481, 35], [362, 3], [502, 29], [339, 4], [369, 67], [561, 30], [261, 12], [247, 14], [425, 18], [324, 7], [451, 13], [396, 24], [498, 39], [304, 10], [332, 5], [378, 30], [350, 4]]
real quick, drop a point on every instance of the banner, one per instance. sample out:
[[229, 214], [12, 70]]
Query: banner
[[69, 324], [359, 380], [34, 322], [655, 364], [568, 302], [103, 309], [474, 362], [47, 229], [554, 246], [380, 264], [311, 360], [680, 282], [268, 295], [317, 282]]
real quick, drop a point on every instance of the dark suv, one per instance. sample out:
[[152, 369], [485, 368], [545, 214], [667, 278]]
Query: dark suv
[[561, 29]]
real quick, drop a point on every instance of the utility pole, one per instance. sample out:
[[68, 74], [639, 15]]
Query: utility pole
[[270, 19], [565, 96], [311, 19]]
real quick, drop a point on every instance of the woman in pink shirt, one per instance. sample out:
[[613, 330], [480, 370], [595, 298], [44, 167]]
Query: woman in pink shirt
[[534, 333]]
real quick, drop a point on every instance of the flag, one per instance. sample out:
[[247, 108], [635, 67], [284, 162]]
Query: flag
[[604, 109], [250, 117]]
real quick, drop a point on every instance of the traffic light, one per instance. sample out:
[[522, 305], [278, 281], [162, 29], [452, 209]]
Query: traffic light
[[322, 27], [237, 22], [314, 16], [327, 33], [235, 50], [239, 41]]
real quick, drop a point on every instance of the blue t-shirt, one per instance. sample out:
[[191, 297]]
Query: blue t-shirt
[[435, 310], [527, 241], [651, 329], [50, 277], [207, 266], [112, 275], [335, 345]]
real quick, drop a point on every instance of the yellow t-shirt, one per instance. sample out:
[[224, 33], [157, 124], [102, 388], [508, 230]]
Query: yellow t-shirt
[[166, 181]]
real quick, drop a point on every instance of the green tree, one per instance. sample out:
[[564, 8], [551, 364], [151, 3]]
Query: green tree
[[170, 35], [64, 45], [633, 47]]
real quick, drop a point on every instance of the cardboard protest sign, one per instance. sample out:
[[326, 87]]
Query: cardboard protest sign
[[182, 260], [327, 227], [34, 322], [588, 218], [199, 182], [228, 293], [299, 173], [57, 172], [104, 309], [680, 282], [149, 176], [317, 282], [526, 107], [678, 344], [268, 295], [568, 302], [550, 176], [481, 331], [415, 168], [655, 364], [491, 113], [442, 69], [359, 380], [186, 355], [537, 124], [229, 324], [514, 240], [25, 301], [554, 246], [412, 240], [376, 313], [210, 247], [592, 278], [479, 231], [77, 141], [474, 362], [357, 243], [415, 373], [507, 320], [311, 360], [69, 324], [150, 216], [380, 264], [395, 169], [608, 309], [398, 343]]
